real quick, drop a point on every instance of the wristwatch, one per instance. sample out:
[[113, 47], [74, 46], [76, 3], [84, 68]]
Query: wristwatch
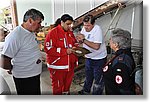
[[83, 39]]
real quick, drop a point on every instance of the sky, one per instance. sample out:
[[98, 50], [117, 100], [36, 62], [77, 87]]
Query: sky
[[4, 3]]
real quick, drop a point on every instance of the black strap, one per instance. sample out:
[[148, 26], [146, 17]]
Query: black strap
[[110, 60]]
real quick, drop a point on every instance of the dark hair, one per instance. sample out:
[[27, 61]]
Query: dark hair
[[90, 18], [57, 22], [32, 13], [66, 17]]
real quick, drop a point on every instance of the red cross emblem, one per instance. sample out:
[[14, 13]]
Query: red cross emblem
[[118, 79]]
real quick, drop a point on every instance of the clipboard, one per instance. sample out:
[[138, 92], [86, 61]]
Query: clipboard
[[80, 51]]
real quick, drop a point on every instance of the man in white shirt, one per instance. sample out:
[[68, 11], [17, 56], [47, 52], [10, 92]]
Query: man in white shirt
[[21, 54], [92, 38]]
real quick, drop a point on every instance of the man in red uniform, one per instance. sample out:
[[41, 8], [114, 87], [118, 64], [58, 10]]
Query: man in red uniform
[[60, 59]]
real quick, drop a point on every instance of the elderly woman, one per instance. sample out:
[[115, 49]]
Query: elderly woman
[[117, 72]]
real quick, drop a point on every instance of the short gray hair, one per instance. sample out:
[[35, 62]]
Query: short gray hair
[[122, 38], [34, 14]]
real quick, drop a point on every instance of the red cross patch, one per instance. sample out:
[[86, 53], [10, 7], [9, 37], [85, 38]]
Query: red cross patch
[[105, 68], [118, 79]]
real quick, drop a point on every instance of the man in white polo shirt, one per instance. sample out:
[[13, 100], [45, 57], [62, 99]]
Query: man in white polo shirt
[[92, 38], [21, 54]]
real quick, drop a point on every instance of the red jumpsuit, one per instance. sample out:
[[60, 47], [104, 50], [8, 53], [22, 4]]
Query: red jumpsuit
[[60, 64]]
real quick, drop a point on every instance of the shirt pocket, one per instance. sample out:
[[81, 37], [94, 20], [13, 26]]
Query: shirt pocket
[[90, 37]]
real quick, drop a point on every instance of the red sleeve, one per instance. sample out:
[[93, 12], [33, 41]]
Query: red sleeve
[[51, 47]]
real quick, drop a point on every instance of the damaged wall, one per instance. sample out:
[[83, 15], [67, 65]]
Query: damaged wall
[[129, 18]]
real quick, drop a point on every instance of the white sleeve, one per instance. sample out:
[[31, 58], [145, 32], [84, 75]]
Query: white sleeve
[[98, 36], [11, 45]]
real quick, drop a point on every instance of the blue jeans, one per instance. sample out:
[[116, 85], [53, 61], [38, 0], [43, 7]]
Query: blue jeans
[[93, 71]]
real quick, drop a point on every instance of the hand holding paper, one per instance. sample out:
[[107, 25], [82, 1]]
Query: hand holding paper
[[80, 51]]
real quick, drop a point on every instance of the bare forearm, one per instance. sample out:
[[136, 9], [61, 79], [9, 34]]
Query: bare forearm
[[81, 39], [6, 63], [95, 46]]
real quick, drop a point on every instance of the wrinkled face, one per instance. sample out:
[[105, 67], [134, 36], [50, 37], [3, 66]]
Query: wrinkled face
[[66, 25], [112, 45], [36, 24], [88, 26]]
